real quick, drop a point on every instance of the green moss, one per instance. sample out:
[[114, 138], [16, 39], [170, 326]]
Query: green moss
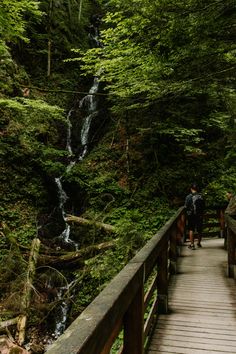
[[15, 350]]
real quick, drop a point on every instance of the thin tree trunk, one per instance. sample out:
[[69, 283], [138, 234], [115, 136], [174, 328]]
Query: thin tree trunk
[[21, 325], [80, 10], [49, 57], [49, 31], [25, 302]]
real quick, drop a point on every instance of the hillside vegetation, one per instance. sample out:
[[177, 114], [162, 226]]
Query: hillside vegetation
[[166, 115]]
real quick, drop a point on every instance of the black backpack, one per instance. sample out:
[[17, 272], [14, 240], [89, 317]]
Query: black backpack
[[197, 204]]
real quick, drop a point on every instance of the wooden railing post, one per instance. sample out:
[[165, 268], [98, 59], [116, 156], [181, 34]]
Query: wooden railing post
[[162, 281], [181, 223], [231, 245], [173, 250], [222, 223], [133, 325]]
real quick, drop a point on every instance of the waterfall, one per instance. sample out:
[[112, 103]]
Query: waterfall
[[65, 235], [89, 105], [61, 313], [63, 197], [68, 138], [89, 102]]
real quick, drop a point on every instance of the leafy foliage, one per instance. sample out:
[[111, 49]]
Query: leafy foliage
[[168, 71], [172, 59], [153, 50], [28, 136], [64, 24], [19, 116], [215, 192], [13, 20]]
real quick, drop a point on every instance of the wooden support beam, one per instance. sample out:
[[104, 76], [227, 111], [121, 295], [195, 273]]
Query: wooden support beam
[[181, 226], [231, 253], [133, 325], [222, 223], [162, 281], [173, 250]]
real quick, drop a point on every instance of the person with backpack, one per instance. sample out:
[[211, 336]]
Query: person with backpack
[[195, 206]]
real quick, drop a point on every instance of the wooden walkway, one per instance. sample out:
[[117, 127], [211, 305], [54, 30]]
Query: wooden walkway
[[202, 305]]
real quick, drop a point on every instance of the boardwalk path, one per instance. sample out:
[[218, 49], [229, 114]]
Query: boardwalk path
[[202, 303]]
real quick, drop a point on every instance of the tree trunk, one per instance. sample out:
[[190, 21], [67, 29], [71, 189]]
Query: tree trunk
[[49, 58], [80, 10], [82, 221], [76, 257], [21, 325], [25, 302]]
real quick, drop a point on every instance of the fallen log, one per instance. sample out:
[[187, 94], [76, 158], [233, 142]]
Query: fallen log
[[82, 221], [7, 323], [74, 257]]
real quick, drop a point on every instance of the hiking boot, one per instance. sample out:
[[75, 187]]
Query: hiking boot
[[191, 247]]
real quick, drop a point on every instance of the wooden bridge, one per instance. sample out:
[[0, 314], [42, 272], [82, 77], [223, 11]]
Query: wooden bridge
[[167, 299]]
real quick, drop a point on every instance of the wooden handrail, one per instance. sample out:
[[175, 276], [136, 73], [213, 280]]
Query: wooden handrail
[[120, 306], [132, 301], [231, 245]]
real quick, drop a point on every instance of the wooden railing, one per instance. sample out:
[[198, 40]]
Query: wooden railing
[[129, 305], [214, 223], [231, 245]]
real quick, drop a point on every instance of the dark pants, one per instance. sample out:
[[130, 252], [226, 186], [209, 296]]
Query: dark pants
[[195, 223]]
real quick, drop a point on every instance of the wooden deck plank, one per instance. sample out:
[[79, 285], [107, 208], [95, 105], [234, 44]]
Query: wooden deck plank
[[209, 305], [203, 333], [202, 305], [202, 327], [183, 350], [196, 343]]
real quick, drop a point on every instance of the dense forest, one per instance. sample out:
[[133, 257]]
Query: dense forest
[[109, 111]]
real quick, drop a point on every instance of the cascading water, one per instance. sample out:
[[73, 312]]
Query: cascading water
[[90, 103], [63, 310], [65, 235], [61, 314], [89, 106], [68, 139]]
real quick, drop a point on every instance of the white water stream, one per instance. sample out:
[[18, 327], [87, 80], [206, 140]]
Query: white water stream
[[89, 104]]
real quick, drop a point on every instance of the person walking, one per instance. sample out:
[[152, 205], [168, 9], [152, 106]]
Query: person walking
[[195, 206]]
